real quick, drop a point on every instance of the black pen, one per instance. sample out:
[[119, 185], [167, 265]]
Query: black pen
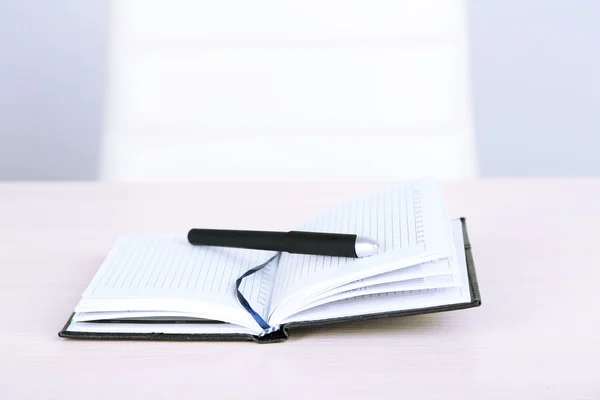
[[317, 243]]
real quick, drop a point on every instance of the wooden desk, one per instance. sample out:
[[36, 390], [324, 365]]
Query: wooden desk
[[537, 335]]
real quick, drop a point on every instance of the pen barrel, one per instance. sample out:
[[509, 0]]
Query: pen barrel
[[325, 244], [274, 241]]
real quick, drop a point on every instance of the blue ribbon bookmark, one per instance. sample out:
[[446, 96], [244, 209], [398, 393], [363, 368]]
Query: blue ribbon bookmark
[[263, 324]]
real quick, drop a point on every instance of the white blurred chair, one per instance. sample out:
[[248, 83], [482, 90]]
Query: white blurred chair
[[273, 90]]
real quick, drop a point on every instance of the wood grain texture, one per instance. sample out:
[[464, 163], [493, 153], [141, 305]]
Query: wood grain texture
[[536, 245]]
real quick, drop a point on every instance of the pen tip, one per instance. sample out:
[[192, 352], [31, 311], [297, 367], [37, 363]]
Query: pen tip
[[365, 246]]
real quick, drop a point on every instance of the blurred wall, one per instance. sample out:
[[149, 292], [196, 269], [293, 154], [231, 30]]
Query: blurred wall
[[535, 79], [536, 86], [52, 56], [273, 90]]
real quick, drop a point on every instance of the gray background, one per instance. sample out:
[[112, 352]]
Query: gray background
[[535, 76], [52, 56], [535, 68]]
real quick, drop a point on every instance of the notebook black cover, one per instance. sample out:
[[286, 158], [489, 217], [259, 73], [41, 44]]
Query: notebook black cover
[[286, 329]]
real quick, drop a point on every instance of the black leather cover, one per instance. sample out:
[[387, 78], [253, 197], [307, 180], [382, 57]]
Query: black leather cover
[[285, 331]]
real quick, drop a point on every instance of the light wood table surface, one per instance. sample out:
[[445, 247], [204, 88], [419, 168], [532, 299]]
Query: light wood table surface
[[536, 245]]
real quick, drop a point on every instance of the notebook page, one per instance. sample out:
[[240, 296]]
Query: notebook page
[[400, 300], [425, 270], [124, 327], [408, 221], [433, 282], [166, 273], [136, 315]]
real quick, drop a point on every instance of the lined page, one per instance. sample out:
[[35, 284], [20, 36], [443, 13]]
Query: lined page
[[382, 302], [400, 299], [434, 282], [422, 271], [168, 267], [408, 221]]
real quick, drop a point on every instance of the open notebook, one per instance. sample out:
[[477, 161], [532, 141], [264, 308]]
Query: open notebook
[[161, 287]]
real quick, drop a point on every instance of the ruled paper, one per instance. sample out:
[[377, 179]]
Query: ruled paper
[[432, 295], [425, 270], [437, 274], [158, 267], [435, 282], [406, 220]]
